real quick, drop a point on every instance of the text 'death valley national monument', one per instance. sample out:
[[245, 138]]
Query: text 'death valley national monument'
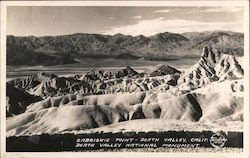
[[125, 79]]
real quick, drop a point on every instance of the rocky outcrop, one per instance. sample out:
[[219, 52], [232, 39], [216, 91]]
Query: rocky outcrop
[[213, 66], [17, 100], [61, 86], [97, 82], [162, 69], [31, 81], [104, 75]]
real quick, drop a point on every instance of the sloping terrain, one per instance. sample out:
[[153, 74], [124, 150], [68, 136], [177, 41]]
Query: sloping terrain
[[226, 42], [103, 110], [209, 93]]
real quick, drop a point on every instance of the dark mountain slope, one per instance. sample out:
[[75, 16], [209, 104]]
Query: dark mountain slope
[[17, 100], [53, 50], [224, 41]]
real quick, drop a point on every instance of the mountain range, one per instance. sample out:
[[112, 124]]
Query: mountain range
[[65, 49]]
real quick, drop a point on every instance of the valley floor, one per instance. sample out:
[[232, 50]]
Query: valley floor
[[87, 64]]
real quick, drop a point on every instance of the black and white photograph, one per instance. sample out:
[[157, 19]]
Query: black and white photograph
[[125, 78]]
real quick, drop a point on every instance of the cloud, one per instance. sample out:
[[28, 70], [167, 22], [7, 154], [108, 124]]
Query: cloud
[[137, 17], [111, 17], [162, 11], [224, 9], [215, 10], [154, 26]]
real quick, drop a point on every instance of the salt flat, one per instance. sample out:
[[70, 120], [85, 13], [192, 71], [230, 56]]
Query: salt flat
[[87, 64]]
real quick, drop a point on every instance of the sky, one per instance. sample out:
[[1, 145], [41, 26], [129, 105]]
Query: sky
[[147, 21]]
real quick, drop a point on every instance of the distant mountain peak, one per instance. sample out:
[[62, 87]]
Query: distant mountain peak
[[130, 71], [119, 34], [163, 69]]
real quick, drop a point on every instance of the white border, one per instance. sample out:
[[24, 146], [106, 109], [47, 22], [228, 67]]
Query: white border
[[3, 79], [5, 4], [246, 80]]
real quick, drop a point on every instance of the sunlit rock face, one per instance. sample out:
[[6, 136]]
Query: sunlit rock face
[[212, 66]]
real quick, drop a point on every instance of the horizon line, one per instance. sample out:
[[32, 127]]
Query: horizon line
[[120, 33]]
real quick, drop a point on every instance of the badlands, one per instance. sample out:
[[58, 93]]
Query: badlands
[[209, 95]]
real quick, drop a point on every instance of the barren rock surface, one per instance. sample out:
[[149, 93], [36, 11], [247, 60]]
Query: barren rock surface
[[209, 94]]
